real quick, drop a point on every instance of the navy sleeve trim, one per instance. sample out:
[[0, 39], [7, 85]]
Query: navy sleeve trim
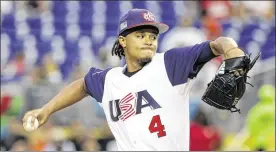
[[94, 82], [206, 54]]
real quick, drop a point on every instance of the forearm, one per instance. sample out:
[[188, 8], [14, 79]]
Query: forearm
[[68, 96], [227, 47]]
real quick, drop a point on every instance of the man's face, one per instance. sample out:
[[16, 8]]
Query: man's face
[[141, 45]]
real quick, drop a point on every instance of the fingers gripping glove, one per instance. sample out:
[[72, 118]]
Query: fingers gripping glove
[[229, 84]]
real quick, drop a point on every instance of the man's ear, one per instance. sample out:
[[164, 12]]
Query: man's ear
[[122, 41]]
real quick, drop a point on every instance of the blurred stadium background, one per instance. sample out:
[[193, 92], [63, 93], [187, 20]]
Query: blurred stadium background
[[47, 44]]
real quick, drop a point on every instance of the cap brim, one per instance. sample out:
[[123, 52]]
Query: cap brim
[[161, 26]]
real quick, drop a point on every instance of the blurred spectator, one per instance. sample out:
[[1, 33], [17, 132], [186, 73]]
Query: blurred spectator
[[211, 26], [216, 9], [6, 100], [182, 35], [203, 135], [201, 118]]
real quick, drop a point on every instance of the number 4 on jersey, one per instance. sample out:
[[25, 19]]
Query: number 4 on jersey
[[156, 126]]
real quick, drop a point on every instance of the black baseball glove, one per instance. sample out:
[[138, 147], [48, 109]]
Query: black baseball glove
[[229, 84]]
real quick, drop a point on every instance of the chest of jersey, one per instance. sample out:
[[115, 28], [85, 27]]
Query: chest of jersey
[[147, 90]]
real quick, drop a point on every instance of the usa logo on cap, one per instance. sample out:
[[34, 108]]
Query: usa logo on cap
[[149, 16], [123, 25]]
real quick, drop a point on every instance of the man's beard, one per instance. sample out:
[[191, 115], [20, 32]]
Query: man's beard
[[143, 61]]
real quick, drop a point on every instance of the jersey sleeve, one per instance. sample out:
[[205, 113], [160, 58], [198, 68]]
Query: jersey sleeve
[[94, 82], [185, 62]]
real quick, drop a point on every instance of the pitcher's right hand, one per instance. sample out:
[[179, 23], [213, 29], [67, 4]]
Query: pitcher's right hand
[[40, 114]]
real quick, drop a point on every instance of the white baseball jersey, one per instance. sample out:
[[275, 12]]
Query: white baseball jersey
[[150, 109]]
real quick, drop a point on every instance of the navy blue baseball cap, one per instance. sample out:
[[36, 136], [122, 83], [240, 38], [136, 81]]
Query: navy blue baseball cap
[[140, 17]]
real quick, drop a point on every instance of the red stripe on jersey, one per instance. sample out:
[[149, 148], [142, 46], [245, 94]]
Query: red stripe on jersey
[[124, 109], [129, 116], [126, 96], [127, 99], [125, 106], [130, 110]]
